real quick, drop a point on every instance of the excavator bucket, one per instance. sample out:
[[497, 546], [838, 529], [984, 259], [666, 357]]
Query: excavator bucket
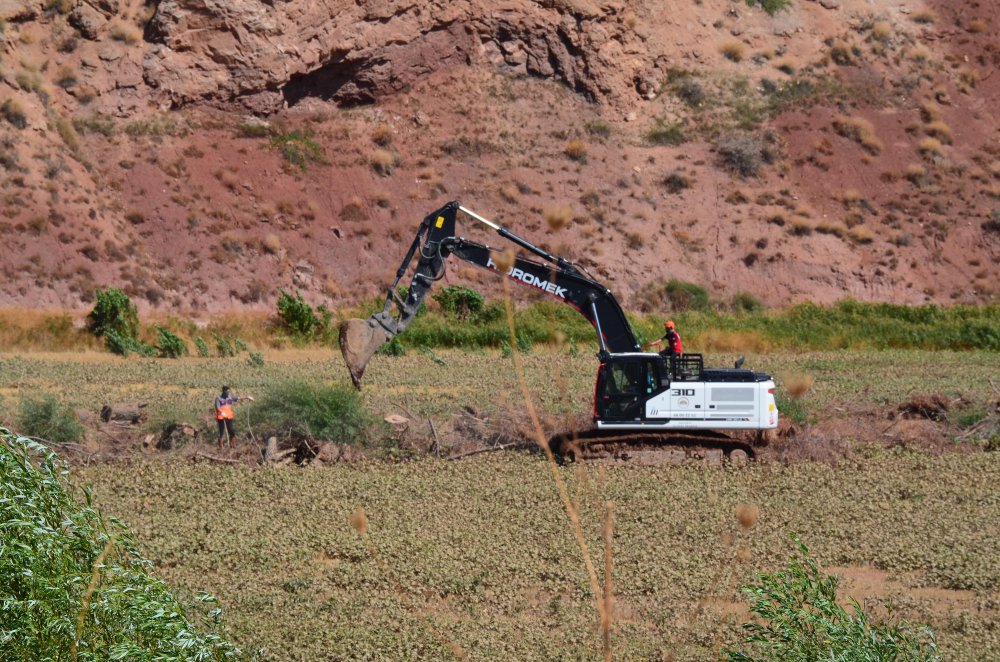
[[359, 340]]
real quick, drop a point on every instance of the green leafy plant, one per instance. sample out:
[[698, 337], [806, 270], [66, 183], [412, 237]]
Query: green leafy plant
[[113, 311], [460, 301], [169, 344], [772, 7], [665, 133], [299, 319], [304, 410], [223, 346], [299, 148], [74, 584], [45, 418], [124, 345], [802, 621], [255, 359], [201, 347]]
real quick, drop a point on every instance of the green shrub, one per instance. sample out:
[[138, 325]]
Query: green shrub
[[664, 133], [598, 129], [460, 301], [201, 347], [65, 565], [772, 7], [223, 347], [123, 345], [299, 148], [303, 410], [792, 409], [169, 344], [799, 619], [113, 311], [681, 295], [45, 418], [745, 303], [299, 319], [255, 359]]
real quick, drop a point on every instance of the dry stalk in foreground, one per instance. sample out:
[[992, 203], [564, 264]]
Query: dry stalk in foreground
[[359, 522], [95, 576], [571, 510]]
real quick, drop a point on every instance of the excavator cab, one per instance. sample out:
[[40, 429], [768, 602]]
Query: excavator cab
[[625, 383]]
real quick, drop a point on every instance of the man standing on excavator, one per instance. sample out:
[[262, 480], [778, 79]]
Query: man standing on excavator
[[673, 341]]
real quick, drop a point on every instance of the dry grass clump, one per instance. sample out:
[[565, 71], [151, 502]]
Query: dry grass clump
[[227, 178], [993, 191], [977, 26], [747, 515], [14, 113], [860, 131], [938, 129], [733, 50], [841, 52], [382, 162], [557, 217], [576, 150], [510, 193], [797, 384], [930, 111], [354, 210], [124, 32], [788, 65], [881, 30], [861, 235], [920, 54], [915, 173], [924, 17], [931, 147], [838, 230], [382, 135], [271, 244], [800, 228]]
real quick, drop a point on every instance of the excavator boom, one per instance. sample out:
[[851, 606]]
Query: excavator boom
[[435, 242]]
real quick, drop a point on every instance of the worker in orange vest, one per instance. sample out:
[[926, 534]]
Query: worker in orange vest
[[224, 414], [673, 341]]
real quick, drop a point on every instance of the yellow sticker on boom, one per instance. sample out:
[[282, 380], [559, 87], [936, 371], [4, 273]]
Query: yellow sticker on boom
[[440, 222]]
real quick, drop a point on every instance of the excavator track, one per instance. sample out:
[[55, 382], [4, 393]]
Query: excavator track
[[648, 448]]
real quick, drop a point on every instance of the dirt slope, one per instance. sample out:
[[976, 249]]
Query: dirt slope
[[154, 146]]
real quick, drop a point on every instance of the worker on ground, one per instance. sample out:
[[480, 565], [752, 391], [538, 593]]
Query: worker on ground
[[224, 414], [672, 339]]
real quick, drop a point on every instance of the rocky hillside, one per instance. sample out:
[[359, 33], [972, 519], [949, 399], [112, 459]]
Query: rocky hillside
[[201, 154]]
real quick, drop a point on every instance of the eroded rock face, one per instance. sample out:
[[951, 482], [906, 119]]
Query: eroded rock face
[[266, 55]]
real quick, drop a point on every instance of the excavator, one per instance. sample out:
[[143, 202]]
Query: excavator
[[639, 397]]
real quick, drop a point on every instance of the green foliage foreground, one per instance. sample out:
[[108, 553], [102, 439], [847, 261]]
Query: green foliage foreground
[[802, 621], [73, 585]]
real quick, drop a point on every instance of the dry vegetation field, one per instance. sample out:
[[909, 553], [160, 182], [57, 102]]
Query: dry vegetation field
[[480, 549]]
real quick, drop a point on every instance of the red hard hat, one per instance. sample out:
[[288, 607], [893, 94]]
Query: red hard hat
[[668, 324]]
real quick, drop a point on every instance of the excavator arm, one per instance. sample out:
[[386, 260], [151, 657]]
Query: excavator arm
[[435, 242]]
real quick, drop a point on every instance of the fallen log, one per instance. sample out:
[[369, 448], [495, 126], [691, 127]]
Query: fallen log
[[132, 413]]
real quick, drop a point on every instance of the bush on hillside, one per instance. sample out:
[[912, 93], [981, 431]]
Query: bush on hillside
[[43, 417], [302, 410], [672, 297], [113, 311], [799, 619], [772, 7], [169, 345], [299, 319], [73, 582], [460, 301]]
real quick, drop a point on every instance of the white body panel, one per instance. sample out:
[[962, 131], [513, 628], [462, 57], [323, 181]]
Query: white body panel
[[688, 405]]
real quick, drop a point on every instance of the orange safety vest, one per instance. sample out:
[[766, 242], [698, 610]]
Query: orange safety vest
[[676, 341], [225, 410]]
